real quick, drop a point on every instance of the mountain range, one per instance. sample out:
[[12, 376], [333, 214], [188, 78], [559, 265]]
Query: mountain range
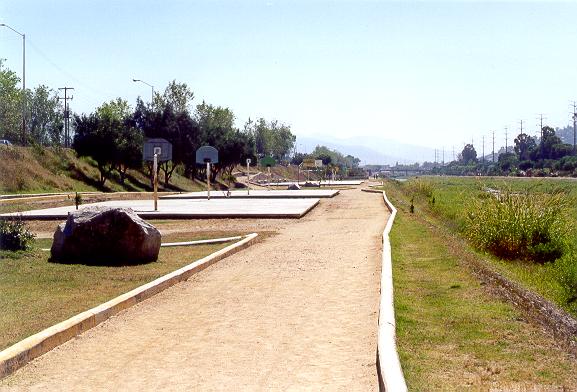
[[372, 150]]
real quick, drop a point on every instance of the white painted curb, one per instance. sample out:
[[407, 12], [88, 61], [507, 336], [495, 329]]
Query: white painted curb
[[391, 377], [18, 355]]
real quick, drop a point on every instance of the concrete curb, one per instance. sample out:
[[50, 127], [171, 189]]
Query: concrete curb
[[18, 355], [389, 369]]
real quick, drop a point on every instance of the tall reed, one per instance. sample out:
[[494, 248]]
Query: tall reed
[[526, 226]]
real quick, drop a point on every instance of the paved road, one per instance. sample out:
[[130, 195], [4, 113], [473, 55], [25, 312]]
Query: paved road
[[296, 311]]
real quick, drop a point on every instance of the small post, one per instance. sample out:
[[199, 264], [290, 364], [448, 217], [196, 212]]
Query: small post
[[155, 181], [269, 178], [248, 175], [208, 179]]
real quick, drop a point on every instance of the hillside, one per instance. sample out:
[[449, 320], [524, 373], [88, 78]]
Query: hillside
[[41, 169]]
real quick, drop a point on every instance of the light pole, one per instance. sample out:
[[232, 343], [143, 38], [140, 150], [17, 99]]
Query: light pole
[[148, 84], [23, 80]]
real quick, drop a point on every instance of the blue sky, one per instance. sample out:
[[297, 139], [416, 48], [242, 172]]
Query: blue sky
[[436, 74]]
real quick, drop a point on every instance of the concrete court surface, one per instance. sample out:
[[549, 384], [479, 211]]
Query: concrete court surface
[[297, 311], [188, 208], [323, 183], [258, 194]]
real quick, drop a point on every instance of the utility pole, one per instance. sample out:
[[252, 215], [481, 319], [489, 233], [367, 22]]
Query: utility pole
[[506, 139], [574, 126], [493, 146], [483, 158], [453, 153], [541, 133], [443, 163], [66, 115]]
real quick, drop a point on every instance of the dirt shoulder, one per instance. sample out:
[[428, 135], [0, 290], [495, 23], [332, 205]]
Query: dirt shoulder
[[297, 310]]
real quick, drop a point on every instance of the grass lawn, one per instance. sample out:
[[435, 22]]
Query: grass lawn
[[452, 334], [35, 294]]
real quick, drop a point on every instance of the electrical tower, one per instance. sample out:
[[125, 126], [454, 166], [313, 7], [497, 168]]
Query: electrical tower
[[66, 115]]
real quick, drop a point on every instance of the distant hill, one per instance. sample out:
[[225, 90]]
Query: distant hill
[[372, 150]]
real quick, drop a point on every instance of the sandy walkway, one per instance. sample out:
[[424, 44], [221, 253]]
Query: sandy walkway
[[297, 311]]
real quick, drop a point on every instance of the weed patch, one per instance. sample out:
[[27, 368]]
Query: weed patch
[[519, 225]]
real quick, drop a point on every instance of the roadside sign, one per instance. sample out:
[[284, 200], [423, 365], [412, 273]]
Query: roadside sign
[[206, 154], [161, 147], [248, 161], [318, 163]]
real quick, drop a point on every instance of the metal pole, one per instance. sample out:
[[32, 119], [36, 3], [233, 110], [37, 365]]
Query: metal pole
[[24, 89], [269, 178], [248, 176], [208, 179], [154, 169]]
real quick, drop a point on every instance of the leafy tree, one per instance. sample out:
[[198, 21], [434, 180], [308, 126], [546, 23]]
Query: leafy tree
[[96, 139], [548, 140], [10, 105], [507, 162], [468, 155], [524, 144], [176, 95], [271, 138], [178, 128], [46, 123]]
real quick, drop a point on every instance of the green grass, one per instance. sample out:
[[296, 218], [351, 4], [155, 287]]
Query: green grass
[[453, 198], [451, 333], [35, 294]]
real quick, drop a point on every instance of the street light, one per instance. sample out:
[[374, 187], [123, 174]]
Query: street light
[[148, 84], [23, 80]]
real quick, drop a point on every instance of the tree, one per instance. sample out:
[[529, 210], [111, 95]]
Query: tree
[[46, 123], [507, 161], [468, 155], [271, 138], [97, 140], [176, 95], [10, 105], [524, 144], [110, 137], [548, 140]]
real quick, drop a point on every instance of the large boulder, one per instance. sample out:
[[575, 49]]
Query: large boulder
[[294, 187], [107, 236]]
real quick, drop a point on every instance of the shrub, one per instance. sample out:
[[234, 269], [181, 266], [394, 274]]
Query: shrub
[[519, 225], [565, 270], [420, 187], [14, 235]]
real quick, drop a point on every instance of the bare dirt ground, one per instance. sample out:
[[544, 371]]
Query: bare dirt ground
[[295, 311]]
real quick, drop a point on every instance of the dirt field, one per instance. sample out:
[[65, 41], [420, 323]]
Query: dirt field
[[295, 311]]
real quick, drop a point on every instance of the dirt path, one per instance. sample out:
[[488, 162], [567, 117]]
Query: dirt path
[[296, 311]]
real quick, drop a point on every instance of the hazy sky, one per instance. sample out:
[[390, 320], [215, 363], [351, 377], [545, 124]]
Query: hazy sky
[[429, 73]]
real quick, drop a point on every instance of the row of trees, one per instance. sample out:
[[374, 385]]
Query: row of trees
[[42, 110], [333, 159], [544, 155], [114, 134]]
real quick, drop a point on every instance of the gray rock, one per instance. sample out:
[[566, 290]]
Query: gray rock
[[294, 187], [107, 236], [309, 184]]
